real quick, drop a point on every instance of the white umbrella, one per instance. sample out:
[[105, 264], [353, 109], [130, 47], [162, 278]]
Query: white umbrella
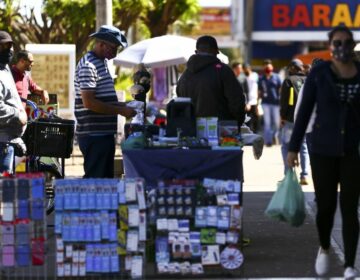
[[162, 51]]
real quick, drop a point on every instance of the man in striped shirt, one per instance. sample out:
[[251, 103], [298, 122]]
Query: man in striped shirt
[[96, 104]]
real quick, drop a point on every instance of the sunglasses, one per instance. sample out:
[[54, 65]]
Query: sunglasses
[[113, 48], [339, 43]]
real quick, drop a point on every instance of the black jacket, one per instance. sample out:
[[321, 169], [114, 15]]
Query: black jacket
[[213, 89], [336, 130], [294, 81]]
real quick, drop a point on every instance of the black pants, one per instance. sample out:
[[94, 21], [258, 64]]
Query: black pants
[[254, 122], [99, 155], [327, 173]]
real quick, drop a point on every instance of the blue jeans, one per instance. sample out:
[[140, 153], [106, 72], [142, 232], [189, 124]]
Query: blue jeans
[[99, 155], [7, 156], [285, 135], [271, 122]]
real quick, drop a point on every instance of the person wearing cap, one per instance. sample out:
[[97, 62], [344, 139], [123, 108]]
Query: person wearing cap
[[24, 83], [288, 98], [211, 84], [13, 117], [97, 105], [309, 128]]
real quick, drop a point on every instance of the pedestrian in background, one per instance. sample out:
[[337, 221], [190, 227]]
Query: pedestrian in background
[[288, 99], [12, 114], [240, 76], [25, 85], [269, 92], [97, 105], [252, 79], [211, 84], [312, 119], [334, 87]]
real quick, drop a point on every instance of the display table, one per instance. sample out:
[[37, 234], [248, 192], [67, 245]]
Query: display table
[[154, 164], [166, 164]]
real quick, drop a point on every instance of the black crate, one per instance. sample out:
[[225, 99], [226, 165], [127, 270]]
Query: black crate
[[50, 137]]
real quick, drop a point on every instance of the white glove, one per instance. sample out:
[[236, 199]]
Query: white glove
[[135, 89], [138, 106]]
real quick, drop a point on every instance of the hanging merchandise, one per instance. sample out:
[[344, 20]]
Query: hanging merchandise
[[194, 227], [22, 223], [100, 224], [231, 258]]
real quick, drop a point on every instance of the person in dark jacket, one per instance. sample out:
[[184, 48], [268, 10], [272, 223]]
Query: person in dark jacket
[[211, 84], [334, 87], [288, 98], [269, 93]]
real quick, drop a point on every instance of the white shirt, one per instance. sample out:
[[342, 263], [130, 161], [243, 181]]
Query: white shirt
[[252, 81]]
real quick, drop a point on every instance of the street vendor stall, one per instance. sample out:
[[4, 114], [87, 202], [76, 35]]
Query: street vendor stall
[[194, 196], [194, 202]]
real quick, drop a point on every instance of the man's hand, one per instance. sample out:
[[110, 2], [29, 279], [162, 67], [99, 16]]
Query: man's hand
[[23, 117], [292, 159], [45, 97], [90, 102], [247, 107], [127, 112]]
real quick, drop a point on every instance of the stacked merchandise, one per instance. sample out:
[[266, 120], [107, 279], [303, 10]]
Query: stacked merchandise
[[88, 214], [132, 225], [22, 221], [222, 219], [197, 226]]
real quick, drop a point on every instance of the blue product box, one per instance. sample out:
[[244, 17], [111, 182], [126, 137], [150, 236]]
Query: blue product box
[[23, 209], [37, 209], [112, 227], [105, 258], [97, 263], [23, 255], [114, 258], [22, 233], [58, 222], [90, 249], [37, 190], [23, 191], [8, 190]]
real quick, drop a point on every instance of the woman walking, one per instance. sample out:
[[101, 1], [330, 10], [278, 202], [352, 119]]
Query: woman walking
[[334, 87]]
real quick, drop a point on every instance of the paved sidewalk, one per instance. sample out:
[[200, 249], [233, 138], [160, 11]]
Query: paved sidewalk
[[276, 249]]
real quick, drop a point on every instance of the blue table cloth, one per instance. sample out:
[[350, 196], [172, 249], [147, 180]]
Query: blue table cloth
[[155, 164]]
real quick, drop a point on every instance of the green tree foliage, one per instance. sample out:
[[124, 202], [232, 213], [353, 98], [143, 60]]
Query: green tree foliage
[[11, 19], [72, 21], [160, 14], [63, 22], [156, 15], [127, 12]]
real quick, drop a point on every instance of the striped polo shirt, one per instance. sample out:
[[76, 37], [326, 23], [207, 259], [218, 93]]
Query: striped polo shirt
[[92, 73]]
